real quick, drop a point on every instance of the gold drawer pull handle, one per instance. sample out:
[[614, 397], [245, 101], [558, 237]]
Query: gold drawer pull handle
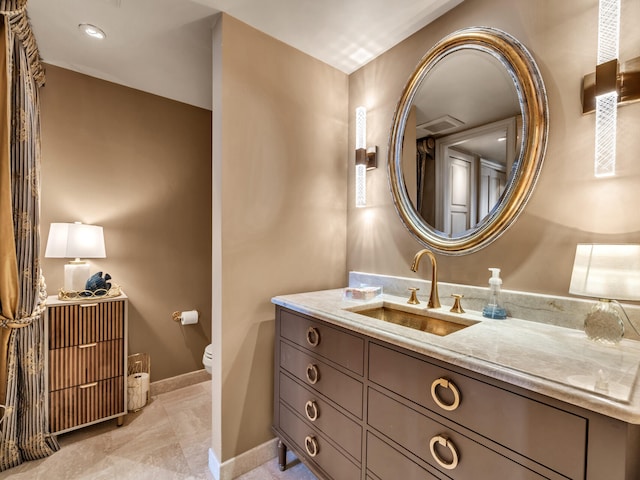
[[445, 442], [311, 410], [88, 305], [88, 385], [87, 345], [444, 383], [313, 375], [311, 445], [313, 336]]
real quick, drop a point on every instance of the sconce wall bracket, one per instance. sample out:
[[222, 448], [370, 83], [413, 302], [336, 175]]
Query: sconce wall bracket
[[368, 157], [609, 77]]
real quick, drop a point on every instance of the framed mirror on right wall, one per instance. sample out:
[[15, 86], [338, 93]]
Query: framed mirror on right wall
[[468, 140]]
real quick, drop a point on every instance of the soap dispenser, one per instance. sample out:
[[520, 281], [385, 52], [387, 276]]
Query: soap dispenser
[[494, 309]]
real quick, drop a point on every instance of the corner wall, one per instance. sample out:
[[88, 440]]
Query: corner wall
[[279, 226], [568, 206], [139, 165]]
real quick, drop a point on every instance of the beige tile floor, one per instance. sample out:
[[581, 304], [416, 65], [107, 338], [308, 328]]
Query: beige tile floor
[[168, 439]]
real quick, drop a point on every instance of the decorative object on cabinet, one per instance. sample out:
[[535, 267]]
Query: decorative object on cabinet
[[355, 407], [480, 53], [366, 158], [86, 361], [608, 273], [75, 240], [610, 86], [97, 284]]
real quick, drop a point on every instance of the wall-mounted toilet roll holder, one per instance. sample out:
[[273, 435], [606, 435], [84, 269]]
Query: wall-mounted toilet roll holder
[[186, 318]]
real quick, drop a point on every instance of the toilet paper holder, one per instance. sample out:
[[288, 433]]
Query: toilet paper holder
[[177, 316]]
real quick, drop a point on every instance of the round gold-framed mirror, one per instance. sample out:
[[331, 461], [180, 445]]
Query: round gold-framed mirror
[[456, 189]]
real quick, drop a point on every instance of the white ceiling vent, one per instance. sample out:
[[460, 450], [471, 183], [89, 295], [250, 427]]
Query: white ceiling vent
[[440, 125]]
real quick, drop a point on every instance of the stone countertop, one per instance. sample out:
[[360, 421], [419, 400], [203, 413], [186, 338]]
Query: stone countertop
[[558, 362]]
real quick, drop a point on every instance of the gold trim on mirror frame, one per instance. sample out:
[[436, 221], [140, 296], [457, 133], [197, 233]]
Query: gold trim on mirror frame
[[531, 91]]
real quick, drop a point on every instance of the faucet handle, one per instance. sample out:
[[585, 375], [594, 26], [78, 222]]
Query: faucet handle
[[457, 307], [413, 299]]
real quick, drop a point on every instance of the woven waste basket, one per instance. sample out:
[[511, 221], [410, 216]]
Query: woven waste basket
[[138, 377]]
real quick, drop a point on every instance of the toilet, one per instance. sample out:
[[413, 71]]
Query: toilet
[[207, 358]]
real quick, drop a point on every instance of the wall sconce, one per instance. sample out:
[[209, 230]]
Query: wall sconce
[[366, 158], [75, 240], [608, 87], [608, 273]]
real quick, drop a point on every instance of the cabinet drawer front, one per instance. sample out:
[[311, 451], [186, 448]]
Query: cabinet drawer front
[[414, 431], [545, 434], [86, 403], [80, 324], [87, 363], [327, 457], [388, 464], [340, 347], [334, 424], [339, 387]]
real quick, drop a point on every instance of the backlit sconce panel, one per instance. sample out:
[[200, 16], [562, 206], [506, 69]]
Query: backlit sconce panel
[[608, 87], [365, 158]]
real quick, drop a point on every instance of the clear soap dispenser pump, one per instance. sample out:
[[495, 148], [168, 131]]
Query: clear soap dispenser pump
[[494, 308]]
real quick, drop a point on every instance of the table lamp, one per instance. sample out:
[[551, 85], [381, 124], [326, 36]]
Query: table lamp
[[75, 240], [608, 273]]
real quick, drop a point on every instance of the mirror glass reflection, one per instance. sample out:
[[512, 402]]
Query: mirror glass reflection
[[462, 139]]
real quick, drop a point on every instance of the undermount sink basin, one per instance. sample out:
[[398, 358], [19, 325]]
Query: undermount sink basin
[[415, 320]]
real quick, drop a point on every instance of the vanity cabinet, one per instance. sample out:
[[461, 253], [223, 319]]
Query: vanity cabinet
[[319, 395], [86, 361], [354, 407]]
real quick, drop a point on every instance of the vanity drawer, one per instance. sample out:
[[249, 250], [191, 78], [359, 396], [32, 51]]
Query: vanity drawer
[[388, 464], [87, 363], [322, 416], [416, 432], [84, 404], [338, 386], [316, 448], [545, 434], [84, 323], [340, 347]]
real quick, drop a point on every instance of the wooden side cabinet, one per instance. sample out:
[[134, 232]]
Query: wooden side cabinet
[[86, 361]]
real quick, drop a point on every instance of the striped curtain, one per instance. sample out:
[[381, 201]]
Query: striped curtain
[[24, 425]]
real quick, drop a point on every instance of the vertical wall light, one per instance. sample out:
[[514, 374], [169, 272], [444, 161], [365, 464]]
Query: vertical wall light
[[607, 87], [613, 84], [365, 158]]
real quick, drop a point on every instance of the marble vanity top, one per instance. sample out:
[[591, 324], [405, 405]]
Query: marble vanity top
[[555, 361]]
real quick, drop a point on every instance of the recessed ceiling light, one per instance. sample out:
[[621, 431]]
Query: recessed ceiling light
[[92, 31]]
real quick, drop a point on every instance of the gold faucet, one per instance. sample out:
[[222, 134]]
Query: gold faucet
[[434, 301]]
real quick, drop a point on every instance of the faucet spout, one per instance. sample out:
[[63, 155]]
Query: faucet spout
[[434, 300]]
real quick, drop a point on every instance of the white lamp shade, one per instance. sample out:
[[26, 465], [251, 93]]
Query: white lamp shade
[[607, 271], [75, 240]]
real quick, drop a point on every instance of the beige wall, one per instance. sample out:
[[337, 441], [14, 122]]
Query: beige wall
[[280, 143], [569, 205], [140, 166]]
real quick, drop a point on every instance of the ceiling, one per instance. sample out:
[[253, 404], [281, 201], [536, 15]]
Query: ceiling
[[164, 46]]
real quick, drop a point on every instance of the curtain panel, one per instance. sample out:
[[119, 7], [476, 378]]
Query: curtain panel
[[24, 426]]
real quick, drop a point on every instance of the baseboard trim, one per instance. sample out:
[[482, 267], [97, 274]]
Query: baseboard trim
[[179, 381], [243, 463]]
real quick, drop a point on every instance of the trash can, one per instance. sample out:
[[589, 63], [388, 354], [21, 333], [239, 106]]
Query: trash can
[[138, 377]]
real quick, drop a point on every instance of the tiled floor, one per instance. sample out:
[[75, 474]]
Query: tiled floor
[[168, 439]]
